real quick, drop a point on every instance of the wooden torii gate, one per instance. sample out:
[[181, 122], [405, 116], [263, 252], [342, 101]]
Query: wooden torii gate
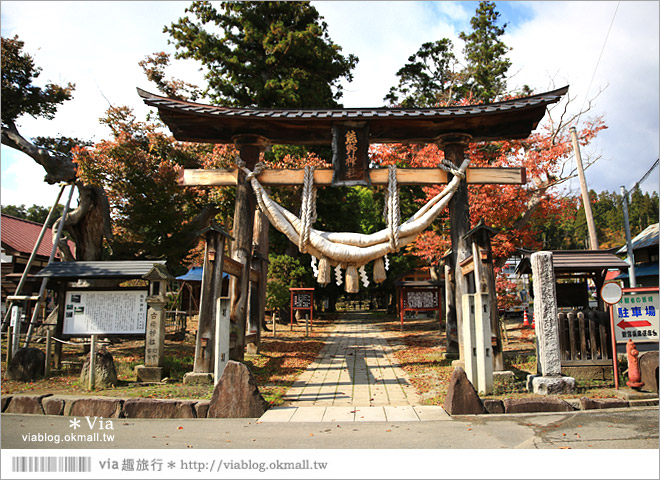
[[252, 130]]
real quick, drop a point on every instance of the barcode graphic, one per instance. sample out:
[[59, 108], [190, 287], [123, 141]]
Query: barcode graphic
[[51, 464]]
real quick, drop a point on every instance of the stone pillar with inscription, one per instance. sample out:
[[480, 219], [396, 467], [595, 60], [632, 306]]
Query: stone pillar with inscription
[[550, 380], [154, 369]]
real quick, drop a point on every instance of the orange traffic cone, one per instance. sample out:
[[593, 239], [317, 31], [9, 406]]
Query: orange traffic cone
[[533, 324], [525, 321]]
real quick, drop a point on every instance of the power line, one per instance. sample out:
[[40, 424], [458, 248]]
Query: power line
[[593, 75], [598, 215], [645, 176]]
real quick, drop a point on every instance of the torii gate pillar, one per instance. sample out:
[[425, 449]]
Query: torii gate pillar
[[454, 145], [249, 147]]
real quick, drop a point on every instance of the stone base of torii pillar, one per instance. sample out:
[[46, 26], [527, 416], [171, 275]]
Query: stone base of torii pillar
[[549, 380]]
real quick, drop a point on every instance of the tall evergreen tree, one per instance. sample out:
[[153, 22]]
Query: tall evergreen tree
[[485, 53], [432, 76], [428, 79], [267, 54]]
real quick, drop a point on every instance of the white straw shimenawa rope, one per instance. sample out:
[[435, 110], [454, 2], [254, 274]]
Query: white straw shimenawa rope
[[308, 208], [354, 249], [391, 210]]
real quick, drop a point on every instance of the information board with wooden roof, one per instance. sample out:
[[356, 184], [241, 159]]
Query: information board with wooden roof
[[127, 269]]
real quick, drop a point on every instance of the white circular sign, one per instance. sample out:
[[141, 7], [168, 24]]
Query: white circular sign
[[611, 293]]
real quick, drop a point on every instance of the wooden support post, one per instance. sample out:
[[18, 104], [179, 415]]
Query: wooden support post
[[291, 310], [402, 293], [48, 349], [450, 308], [484, 279], [258, 289], [92, 363], [250, 147], [59, 326], [10, 344], [454, 146], [208, 305]]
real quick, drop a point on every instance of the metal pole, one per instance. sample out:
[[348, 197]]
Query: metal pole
[[28, 266], [631, 254], [53, 250], [591, 226], [615, 360]]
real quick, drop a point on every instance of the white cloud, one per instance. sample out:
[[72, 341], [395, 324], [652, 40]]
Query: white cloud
[[382, 35], [564, 41], [24, 172], [97, 45]]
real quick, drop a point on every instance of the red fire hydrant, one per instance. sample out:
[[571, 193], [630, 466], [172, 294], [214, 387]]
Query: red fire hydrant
[[634, 374]]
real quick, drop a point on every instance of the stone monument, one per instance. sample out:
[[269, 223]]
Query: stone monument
[[549, 380], [154, 369]]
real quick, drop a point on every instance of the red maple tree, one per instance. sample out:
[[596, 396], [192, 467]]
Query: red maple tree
[[507, 208]]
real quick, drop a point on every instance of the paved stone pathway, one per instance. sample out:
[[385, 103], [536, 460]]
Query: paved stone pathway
[[355, 378], [356, 367]]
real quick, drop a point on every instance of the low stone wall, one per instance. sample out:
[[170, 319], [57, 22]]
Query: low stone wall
[[110, 407], [106, 407]]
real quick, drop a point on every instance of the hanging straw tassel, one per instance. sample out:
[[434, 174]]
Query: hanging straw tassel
[[352, 279], [379, 275], [325, 272]]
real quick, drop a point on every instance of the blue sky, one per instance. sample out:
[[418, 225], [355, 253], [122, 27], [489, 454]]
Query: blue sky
[[97, 45]]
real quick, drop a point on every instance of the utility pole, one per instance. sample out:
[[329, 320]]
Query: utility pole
[[591, 226], [626, 224]]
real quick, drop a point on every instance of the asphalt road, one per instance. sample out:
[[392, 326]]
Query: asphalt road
[[631, 428]]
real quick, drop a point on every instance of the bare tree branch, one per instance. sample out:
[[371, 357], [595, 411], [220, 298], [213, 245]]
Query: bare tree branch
[[58, 168]]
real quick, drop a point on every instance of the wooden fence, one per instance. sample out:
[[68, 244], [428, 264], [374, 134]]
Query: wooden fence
[[585, 339], [176, 321]]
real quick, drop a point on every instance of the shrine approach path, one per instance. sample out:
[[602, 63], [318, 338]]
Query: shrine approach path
[[356, 367]]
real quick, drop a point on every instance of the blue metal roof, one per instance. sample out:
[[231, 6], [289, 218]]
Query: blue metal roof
[[648, 269], [647, 238], [195, 275]]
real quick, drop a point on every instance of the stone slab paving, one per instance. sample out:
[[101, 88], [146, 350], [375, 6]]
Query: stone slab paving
[[337, 414], [356, 378], [356, 367]]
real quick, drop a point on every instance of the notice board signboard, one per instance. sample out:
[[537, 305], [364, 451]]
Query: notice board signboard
[[115, 312], [635, 316], [415, 298], [420, 299], [302, 299]]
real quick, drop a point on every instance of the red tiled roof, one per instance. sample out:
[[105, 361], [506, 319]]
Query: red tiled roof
[[21, 235]]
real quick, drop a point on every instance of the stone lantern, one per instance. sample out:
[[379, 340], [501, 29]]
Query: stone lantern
[[153, 369]]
